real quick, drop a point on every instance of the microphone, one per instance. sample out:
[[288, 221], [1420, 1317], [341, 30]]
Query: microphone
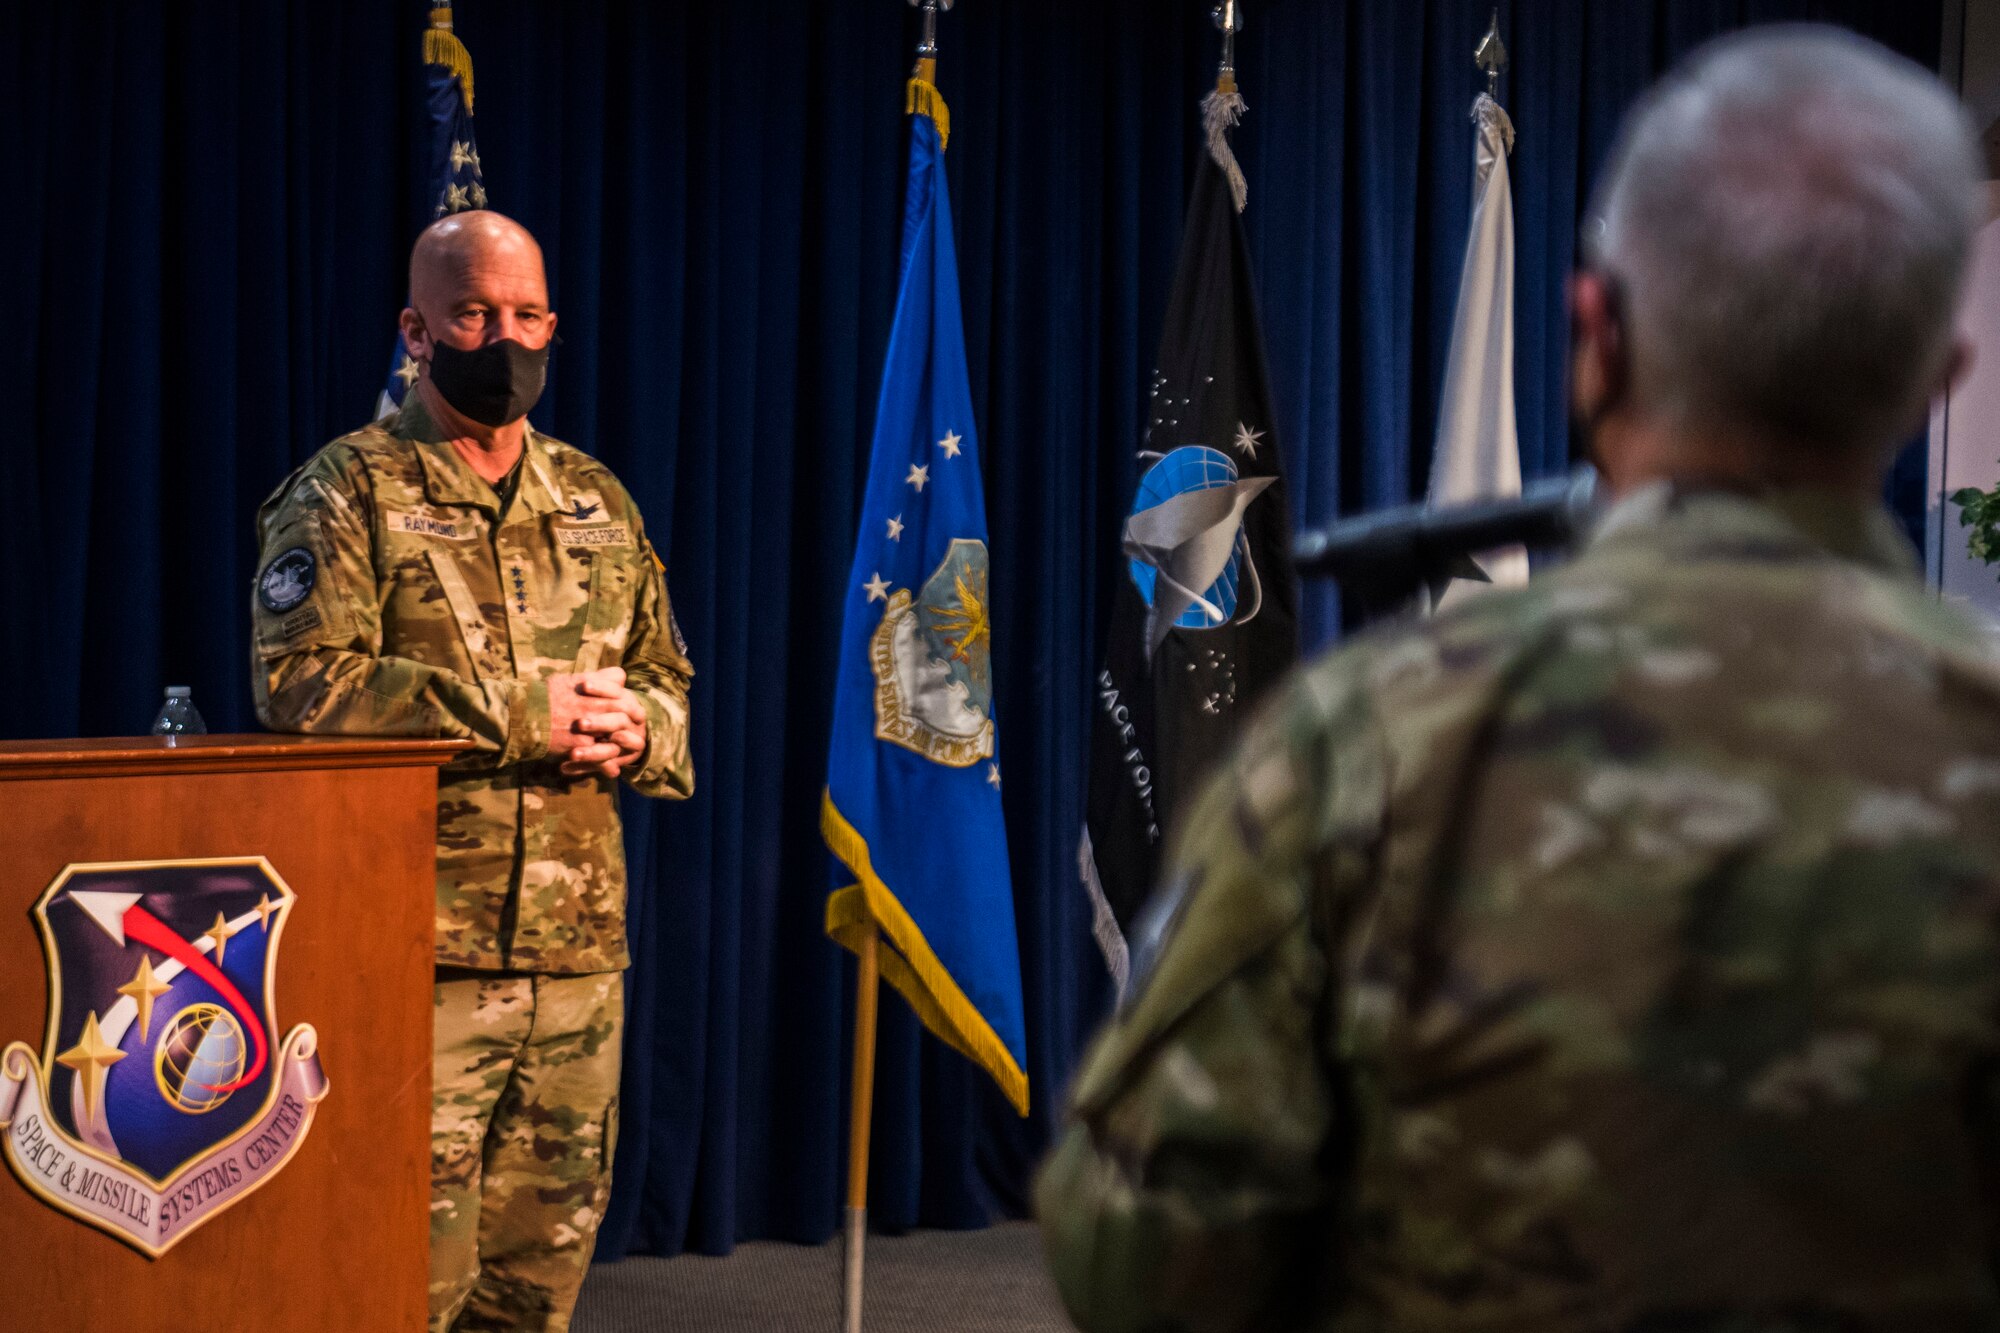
[[1402, 547]]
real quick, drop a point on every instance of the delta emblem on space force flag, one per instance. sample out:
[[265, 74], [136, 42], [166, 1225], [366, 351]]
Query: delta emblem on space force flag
[[1207, 617], [912, 806], [163, 1094]]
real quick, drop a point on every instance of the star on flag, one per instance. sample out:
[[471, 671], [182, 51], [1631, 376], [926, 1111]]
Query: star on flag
[[993, 776], [918, 476], [950, 443], [896, 528], [1246, 439], [878, 589]]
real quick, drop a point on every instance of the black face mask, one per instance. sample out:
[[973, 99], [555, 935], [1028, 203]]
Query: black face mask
[[492, 385]]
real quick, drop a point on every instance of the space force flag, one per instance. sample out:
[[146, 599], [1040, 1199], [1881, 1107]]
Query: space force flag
[[912, 805], [1206, 617], [454, 179]]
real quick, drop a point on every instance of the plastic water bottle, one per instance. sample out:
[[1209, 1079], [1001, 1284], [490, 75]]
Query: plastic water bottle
[[177, 715]]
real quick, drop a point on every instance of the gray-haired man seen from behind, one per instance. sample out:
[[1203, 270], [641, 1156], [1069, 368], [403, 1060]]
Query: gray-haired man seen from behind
[[1621, 953]]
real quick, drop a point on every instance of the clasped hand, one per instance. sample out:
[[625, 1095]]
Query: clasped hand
[[595, 723]]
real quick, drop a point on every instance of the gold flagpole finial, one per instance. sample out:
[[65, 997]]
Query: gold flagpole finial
[[1229, 18], [1491, 56]]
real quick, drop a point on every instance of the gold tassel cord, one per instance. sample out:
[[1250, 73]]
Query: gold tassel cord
[[442, 47], [925, 100]]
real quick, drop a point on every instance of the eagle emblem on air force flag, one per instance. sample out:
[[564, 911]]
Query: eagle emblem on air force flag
[[162, 1094], [932, 656]]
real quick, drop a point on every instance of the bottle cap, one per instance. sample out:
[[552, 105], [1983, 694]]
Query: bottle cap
[[179, 692]]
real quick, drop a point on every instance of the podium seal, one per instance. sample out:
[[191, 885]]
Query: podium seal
[[163, 1094]]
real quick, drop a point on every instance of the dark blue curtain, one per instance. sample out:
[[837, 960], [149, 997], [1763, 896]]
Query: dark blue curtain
[[208, 209]]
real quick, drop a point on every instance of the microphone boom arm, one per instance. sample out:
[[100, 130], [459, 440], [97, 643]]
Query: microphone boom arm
[[1383, 558]]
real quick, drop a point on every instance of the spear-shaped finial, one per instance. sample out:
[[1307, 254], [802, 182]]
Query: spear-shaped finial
[[1229, 18], [1491, 56]]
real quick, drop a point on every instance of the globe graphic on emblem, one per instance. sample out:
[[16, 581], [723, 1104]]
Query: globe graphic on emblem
[[200, 1052], [1192, 467]]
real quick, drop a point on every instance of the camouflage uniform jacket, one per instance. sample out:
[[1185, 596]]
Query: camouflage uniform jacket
[[393, 599], [1617, 953]]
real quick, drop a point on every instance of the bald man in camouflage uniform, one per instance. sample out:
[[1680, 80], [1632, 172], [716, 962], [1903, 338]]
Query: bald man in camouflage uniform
[[1620, 954], [450, 571]]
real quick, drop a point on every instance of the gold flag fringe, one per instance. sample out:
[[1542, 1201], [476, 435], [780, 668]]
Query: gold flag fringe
[[925, 100], [909, 964], [442, 47]]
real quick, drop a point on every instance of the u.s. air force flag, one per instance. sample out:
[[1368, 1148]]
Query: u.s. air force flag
[[912, 802], [455, 180]]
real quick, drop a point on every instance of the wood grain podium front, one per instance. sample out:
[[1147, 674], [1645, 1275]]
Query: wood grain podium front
[[296, 1198]]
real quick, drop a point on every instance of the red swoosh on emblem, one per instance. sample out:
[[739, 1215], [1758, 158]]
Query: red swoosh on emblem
[[148, 929]]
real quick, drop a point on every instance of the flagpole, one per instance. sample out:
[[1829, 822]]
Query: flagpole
[[866, 987], [868, 974]]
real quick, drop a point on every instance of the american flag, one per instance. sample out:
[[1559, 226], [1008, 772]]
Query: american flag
[[456, 183]]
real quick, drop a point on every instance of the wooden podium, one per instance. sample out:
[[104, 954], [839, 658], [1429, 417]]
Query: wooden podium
[[335, 1237]]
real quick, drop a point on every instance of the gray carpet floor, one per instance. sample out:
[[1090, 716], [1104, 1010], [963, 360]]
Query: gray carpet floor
[[988, 1281]]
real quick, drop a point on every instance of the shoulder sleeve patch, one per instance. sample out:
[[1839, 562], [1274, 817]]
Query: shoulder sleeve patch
[[294, 603], [287, 579], [674, 628]]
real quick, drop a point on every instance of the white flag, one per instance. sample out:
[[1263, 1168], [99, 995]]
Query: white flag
[[1478, 449]]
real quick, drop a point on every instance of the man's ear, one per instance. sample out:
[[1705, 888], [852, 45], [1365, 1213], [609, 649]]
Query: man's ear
[[415, 336], [1597, 344]]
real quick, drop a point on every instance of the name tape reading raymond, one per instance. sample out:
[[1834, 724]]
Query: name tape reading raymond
[[426, 526], [112, 1195]]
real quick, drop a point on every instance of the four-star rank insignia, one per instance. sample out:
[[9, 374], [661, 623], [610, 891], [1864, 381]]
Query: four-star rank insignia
[[163, 1094]]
